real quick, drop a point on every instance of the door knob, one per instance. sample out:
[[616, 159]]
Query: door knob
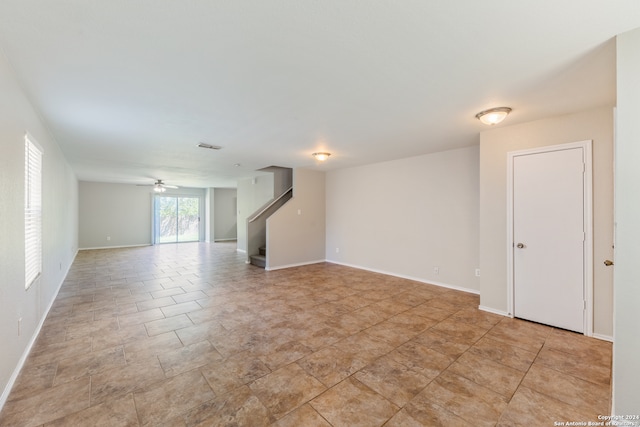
[[520, 245], [608, 262]]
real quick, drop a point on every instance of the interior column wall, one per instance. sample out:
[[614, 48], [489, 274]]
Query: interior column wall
[[626, 347], [296, 231]]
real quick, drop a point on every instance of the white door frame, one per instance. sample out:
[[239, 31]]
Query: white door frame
[[588, 225]]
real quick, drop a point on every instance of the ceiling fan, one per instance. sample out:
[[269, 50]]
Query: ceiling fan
[[159, 186]]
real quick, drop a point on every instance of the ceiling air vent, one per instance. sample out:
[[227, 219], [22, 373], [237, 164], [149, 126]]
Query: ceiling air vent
[[209, 146]]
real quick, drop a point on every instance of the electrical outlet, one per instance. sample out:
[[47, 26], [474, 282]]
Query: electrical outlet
[[477, 272], [436, 270], [337, 250], [19, 326], [108, 238]]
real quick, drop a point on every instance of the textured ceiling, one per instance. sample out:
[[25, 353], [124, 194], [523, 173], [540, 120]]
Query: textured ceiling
[[129, 88]]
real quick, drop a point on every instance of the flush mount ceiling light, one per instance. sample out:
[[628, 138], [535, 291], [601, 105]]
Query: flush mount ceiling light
[[209, 146], [321, 156], [493, 116]]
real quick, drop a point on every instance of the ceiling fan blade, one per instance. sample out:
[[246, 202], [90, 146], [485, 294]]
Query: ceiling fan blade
[[158, 184]]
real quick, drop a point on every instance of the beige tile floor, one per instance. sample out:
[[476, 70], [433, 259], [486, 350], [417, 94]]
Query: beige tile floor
[[189, 335]]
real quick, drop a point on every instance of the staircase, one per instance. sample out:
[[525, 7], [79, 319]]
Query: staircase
[[259, 260], [257, 223]]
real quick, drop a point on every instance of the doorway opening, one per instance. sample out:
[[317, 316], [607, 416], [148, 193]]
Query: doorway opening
[[176, 219]]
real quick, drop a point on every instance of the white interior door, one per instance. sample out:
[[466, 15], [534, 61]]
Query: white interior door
[[549, 237]]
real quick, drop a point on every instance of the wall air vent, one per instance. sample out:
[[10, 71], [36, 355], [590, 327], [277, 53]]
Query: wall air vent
[[209, 146]]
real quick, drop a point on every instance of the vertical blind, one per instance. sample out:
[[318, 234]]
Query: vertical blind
[[32, 212]]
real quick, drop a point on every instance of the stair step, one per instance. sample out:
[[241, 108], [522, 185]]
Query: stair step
[[258, 260], [262, 250]]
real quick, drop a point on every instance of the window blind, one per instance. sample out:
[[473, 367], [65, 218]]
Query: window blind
[[32, 212]]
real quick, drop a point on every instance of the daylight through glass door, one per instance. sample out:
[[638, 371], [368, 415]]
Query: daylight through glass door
[[176, 219]]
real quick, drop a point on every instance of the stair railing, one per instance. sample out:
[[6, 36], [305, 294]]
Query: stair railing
[[272, 203]]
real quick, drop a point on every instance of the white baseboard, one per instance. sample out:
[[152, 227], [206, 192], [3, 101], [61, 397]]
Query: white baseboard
[[242, 251], [231, 239], [416, 279], [25, 354], [115, 247], [300, 264], [602, 337], [494, 311]]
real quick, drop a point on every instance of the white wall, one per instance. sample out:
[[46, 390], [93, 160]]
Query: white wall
[[405, 217], [596, 125], [59, 234], [252, 194], [626, 348], [282, 179], [119, 211], [122, 212], [225, 214], [296, 231]]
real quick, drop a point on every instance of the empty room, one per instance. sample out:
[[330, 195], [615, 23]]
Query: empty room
[[303, 213]]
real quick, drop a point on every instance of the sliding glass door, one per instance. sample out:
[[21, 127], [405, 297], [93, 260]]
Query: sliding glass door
[[176, 219]]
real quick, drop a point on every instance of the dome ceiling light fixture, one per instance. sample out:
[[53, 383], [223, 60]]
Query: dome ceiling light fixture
[[493, 116], [321, 156]]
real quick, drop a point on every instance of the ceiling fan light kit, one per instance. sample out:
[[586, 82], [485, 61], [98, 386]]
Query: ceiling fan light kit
[[159, 186]]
